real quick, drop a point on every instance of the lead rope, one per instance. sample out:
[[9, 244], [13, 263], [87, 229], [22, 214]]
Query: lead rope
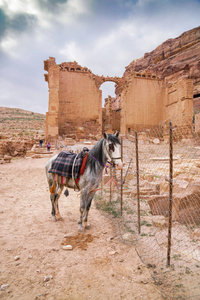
[[75, 184]]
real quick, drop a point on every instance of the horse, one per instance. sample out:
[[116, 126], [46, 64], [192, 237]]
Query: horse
[[106, 150]]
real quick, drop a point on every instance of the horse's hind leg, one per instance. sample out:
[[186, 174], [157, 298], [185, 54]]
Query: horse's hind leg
[[58, 192], [53, 213], [52, 189], [55, 192]]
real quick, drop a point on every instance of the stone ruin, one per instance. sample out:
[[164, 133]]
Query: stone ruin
[[142, 101], [163, 84]]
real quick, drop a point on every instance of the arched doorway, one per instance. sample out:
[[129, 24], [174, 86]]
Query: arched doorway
[[110, 107]]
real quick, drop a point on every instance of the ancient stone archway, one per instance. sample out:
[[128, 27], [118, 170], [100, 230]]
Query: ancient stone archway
[[75, 100]]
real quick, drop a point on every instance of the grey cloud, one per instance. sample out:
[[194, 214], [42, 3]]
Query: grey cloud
[[3, 22], [52, 6], [18, 23], [22, 22], [105, 37]]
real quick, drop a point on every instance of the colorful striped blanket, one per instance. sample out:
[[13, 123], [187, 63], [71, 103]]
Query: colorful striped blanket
[[63, 163]]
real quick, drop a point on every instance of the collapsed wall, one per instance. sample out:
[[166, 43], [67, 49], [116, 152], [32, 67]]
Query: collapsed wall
[[74, 101], [143, 100]]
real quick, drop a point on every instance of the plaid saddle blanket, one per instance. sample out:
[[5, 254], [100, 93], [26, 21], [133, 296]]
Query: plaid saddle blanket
[[64, 162]]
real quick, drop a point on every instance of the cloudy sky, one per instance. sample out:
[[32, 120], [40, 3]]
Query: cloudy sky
[[103, 35]]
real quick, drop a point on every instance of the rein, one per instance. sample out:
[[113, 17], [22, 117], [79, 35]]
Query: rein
[[75, 184], [112, 163], [102, 164]]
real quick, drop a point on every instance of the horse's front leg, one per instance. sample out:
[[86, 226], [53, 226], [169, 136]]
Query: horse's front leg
[[82, 208], [85, 204], [88, 205]]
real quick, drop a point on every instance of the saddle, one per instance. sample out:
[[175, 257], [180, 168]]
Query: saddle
[[68, 164]]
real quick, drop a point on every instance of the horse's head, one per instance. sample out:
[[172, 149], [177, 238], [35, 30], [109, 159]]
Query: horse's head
[[113, 149]]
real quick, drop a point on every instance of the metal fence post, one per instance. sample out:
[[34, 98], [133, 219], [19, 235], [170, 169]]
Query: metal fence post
[[170, 192], [102, 187], [121, 199], [110, 184], [138, 181]]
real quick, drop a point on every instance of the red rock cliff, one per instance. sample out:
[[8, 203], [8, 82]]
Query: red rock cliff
[[173, 59]]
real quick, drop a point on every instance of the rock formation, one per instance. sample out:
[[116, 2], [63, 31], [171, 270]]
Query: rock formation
[[174, 59]]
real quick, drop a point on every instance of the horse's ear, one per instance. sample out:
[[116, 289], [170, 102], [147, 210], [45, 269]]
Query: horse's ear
[[105, 136], [117, 133]]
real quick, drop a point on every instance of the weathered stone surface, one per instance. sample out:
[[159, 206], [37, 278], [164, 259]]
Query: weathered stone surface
[[159, 204], [185, 207], [143, 99], [17, 257], [127, 236], [196, 234], [47, 278], [67, 247], [159, 221], [4, 287], [7, 158], [156, 141]]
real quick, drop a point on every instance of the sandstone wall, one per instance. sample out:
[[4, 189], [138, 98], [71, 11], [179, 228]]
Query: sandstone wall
[[75, 101], [197, 123], [179, 101], [142, 104], [79, 105], [143, 101], [53, 83], [112, 115], [175, 59]]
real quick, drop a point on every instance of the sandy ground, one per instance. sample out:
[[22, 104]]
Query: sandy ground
[[100, 266]]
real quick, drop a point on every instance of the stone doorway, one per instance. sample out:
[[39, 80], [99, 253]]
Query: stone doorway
[[111, 107]]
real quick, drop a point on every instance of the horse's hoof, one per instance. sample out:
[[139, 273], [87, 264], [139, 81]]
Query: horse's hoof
[[87, 226], [81, 229], [53, 218]]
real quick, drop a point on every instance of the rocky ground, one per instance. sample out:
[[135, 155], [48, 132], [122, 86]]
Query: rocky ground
[[34, 261], [19, 131]]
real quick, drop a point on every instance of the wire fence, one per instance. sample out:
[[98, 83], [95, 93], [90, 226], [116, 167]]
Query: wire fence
[[158, 206]]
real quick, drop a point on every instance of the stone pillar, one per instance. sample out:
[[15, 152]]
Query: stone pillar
[[186, 87], [53, 107], [123, 113], [110, 111]]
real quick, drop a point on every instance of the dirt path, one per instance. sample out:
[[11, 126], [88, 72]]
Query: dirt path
[[31, 246]]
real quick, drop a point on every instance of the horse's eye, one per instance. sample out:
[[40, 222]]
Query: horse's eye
[[111, 147]]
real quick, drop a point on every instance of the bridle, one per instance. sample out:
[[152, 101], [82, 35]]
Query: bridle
[[112, 162], [112, 159]]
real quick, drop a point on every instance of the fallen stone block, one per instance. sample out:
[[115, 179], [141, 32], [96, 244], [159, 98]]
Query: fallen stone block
[[159, 221], [7, 158], [196, 234], [185, 207]]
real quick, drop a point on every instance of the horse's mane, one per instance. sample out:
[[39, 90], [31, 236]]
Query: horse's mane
[[97, 152], [113, 138]]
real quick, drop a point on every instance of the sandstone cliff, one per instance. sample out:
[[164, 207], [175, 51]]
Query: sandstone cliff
[[173, 59]]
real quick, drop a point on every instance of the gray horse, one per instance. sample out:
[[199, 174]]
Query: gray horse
[[108, 149]]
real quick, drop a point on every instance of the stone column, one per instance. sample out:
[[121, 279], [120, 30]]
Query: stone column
[[53, 107]]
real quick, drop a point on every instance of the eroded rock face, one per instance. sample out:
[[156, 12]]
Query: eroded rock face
[[173, 59]]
